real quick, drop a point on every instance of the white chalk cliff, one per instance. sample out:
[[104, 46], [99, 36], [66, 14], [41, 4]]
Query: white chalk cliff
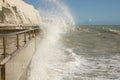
[[17, 12]]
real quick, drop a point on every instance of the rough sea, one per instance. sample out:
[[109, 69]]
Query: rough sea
[[95, 51], [74, 53], [82, 53]]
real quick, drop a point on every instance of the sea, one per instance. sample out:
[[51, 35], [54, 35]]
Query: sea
[[95, 50], [69, 52], [83, 53]]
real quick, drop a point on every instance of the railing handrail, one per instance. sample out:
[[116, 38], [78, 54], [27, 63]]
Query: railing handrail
[[19, 32], [31, 32]]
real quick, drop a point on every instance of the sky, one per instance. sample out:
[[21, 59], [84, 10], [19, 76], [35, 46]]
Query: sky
[[91, 12]]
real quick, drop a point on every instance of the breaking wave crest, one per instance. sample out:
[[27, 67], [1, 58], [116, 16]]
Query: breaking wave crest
[[49, 62]]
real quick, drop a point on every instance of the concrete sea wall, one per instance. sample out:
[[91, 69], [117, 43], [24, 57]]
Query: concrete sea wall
[[16, 68]]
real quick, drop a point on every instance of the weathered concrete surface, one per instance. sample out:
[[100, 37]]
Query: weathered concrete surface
[[16, 68]]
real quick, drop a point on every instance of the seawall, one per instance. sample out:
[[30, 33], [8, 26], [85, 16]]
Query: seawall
[[16, 68]]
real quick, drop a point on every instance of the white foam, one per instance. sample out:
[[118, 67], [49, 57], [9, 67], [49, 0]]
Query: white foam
[[47, 63]]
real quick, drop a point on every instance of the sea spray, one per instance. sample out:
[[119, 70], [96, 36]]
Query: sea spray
[[47, 61], [85, 53]]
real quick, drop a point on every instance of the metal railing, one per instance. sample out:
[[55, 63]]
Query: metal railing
[[14, 39]]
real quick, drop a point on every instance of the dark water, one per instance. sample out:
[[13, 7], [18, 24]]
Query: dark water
[[97, 49]]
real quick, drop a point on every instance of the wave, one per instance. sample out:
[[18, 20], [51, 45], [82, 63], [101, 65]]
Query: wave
[[48, 61]]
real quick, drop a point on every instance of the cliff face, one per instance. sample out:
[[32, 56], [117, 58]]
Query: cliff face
[[17, 12]]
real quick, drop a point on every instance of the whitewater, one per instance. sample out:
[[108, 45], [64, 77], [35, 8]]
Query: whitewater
[[49, 60], [67, 52]]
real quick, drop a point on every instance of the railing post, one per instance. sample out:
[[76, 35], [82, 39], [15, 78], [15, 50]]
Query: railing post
[[18, 46], [25, 38], [4, 46], [3, 0], [3, 73], [29, 36], [4, 54], [33, 34]]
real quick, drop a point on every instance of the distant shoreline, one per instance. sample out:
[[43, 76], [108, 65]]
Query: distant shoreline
[[98, 25]]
